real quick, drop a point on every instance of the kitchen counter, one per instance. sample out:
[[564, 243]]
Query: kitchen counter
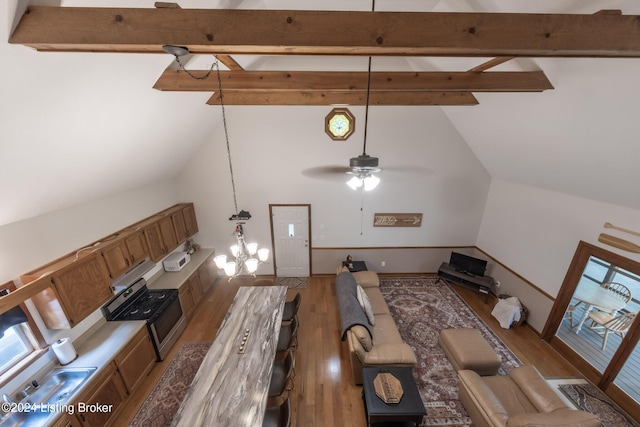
[[100, 344], [174, 280]]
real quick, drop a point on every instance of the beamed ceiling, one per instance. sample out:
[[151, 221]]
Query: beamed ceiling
[[225, 33]]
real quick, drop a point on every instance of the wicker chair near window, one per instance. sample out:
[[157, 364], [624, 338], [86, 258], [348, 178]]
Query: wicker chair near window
[[604, 323], [619, 290]]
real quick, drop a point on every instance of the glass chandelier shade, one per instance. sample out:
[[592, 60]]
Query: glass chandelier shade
[[245, 257]]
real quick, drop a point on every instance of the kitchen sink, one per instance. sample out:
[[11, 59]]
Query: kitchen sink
[[49, 398]]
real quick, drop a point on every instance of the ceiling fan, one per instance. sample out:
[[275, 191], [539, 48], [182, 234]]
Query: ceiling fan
[[363, 167]]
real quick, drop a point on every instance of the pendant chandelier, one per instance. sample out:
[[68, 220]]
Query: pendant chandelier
[[244, 254]]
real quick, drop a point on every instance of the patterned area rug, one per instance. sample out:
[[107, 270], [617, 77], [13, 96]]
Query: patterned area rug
[[590, 398], [165, 398], [292, 282], [421, 309]]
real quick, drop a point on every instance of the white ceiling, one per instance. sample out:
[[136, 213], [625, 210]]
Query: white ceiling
[[78, 127]]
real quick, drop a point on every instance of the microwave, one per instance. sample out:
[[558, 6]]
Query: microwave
[[176, 261]]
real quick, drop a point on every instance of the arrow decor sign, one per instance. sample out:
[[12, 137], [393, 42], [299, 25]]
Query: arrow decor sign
[[397, 220]]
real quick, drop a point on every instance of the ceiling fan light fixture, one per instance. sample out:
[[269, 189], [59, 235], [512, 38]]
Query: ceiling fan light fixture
[[371, 182], [355, 182]]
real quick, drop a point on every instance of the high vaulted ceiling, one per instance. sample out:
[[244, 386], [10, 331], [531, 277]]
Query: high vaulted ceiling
[[76, 124]]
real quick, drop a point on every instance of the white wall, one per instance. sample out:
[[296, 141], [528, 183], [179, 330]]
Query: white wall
[[30, 243], [271, 147], [535, 232]]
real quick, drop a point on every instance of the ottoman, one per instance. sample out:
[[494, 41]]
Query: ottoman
[[467, 349]]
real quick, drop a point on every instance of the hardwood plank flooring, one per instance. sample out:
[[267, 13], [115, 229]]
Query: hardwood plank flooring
[[324, 393]]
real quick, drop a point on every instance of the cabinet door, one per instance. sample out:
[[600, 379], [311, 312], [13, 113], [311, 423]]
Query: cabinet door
[[154, 241], [190, 223], [67, 420], [136, 360], [108, 391], [137, 247], [168, 234], [117, 259], [186, 299], [83, 287], [179, 226], [196, 288]]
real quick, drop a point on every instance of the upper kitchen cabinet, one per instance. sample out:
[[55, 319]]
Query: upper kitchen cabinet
[[78, 288], [160, 237], [124, 253], [183, 217]]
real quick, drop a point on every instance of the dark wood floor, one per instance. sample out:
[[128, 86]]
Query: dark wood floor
[[324, 393]]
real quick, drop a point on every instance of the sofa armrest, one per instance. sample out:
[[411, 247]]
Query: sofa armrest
[[390, 354], [560, 418], [484, 401]]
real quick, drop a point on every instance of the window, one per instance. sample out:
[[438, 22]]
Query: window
[[21, 343], [15, 345]]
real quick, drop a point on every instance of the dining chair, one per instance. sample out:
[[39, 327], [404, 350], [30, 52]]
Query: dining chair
[[291, 308], [288, 337], [278, 415], [604, 323], [618, 290], [282, 375], [569, 313]]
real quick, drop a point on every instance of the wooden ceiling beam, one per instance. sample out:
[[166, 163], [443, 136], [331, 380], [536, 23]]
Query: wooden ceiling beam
[[291, 32], [534, 81], [277, 97]]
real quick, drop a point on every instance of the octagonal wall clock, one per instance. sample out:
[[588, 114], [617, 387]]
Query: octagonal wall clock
[[340, 124]]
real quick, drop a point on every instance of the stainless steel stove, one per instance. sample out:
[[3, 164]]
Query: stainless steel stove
[[160, 308]]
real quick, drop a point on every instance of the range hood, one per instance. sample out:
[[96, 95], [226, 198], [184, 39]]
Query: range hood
[[133, 275]]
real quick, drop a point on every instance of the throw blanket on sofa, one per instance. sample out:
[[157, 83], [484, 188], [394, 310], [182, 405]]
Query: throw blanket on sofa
[[351, 312]]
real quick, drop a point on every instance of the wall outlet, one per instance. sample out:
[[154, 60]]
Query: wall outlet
[[383, 263]]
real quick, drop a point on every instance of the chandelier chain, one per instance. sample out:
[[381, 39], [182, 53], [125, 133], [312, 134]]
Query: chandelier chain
[[226, 134], [193, 76]]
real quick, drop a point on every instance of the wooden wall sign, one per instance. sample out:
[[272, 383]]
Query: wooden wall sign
[[397, 220]]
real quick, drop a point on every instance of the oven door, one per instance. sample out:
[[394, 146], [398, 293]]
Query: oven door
[[166, 328]]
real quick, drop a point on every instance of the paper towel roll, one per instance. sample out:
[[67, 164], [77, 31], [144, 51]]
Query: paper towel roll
[[63, 348]]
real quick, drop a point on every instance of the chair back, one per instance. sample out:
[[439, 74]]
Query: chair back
[[622, 323], [285, 413], [619, 290]]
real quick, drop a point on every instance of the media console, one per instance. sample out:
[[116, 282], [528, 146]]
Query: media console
[[482, 284]]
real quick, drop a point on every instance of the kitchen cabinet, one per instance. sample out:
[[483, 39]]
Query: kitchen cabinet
[[125, 253], [136, 360], [78, 288], [108, 392], [190, 222], [208, 273], [67, 420], [190, 294], [160, 237], [179, 226]]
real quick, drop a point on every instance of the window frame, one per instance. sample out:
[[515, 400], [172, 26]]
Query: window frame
[[30, 331]]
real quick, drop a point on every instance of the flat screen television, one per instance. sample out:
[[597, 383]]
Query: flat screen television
[[467, 264]]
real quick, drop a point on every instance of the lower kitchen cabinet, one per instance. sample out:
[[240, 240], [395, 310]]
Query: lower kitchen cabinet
[[67, 420], [102, 399], [136, 360]]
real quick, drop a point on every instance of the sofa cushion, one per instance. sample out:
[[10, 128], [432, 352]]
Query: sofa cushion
[[378, 303], [363, 299], [363, 336], [367, 279], [385, 331]]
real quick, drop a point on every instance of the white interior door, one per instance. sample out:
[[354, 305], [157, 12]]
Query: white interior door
[[291, 242]]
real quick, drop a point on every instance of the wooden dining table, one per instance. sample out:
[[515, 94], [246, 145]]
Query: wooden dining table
[[231, 387], [592, 296]]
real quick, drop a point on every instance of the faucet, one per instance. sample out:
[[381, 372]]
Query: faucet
[[27, 390]]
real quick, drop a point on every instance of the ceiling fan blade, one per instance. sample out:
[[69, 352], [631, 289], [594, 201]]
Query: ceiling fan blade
[[330, 173], [409, 170]]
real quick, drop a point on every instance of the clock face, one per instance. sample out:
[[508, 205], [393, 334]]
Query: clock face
[[340, 124]]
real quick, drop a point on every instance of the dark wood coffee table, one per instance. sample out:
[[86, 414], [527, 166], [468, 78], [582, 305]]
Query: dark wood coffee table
[[410, 409]]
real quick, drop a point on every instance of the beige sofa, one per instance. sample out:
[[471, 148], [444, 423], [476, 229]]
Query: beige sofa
[[372, 345], [521, 399]]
